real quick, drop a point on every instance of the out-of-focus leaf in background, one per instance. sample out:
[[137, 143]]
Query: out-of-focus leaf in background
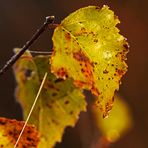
[[10, 130], [117, 124], [59, 104], [89, 49]]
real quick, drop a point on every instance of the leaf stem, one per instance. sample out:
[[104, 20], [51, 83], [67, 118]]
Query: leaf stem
[[49, 23], [41, 52]]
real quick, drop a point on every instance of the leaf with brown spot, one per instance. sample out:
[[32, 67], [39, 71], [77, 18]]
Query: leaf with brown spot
[[59, 104], [89, 49], [9, 133]]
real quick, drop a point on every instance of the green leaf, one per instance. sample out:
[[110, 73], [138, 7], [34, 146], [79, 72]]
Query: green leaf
[[9, 133], [59, 104], [89, 49], [118, 123]]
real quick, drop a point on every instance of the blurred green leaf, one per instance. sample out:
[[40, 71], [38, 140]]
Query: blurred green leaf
[[118, 122], [89, 49], [59, 104]]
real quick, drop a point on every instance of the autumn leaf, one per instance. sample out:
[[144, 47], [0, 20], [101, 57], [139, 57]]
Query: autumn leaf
[[59, 104], [89, 49], [9, 133]]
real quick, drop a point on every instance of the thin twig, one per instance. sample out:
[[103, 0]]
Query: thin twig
[[47, 24], [34, 103], [41, 52]]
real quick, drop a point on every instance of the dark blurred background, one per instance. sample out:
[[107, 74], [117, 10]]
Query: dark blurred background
[[20, 19]]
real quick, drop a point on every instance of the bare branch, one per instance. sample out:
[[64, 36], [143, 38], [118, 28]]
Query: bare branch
[[49, 23]]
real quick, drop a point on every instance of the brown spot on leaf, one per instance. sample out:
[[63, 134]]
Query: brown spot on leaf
[[94, 63], [108, 107], [49, 85], [80, 57], [49, 105], [87, 66], [67, 36], [2, 122], [105, 71], [81, 84], [62, 73], [92, 33], [66, 102], [95, 91], [12, 129], [126, 46], [28, 72], [83, 31], [87, 70], [54, 94], [120, 72], [54, 121], [121, 56], [58, 80], [71, 112], [95, 40]]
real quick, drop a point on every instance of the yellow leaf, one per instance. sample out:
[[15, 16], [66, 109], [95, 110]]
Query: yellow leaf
[[89, 49]]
